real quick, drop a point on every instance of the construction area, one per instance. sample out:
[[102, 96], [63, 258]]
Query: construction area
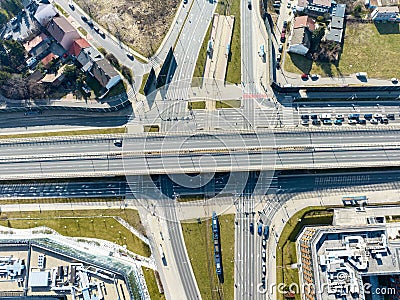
[[218, 48]]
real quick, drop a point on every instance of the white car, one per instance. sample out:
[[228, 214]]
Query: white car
[[264, 268], [374, 121], [378, 116], [264, 254], [351, 122]]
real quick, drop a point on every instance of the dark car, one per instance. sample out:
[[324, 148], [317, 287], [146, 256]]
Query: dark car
[[314, 116], [185, 1], [316, 122], [251, 227], [84, 19], [263, 282], [305, 117], [280, 48], [284, 24], [278, 66], [260, 229], [368, 116], [118, 143], [362, 122], [90, 23], [283, 37], [71, 6], [390, 116], [384, 121], [338, 122], [130, 55]]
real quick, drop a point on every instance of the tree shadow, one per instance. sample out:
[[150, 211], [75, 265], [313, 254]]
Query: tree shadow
[[302, 63], [388, 28]]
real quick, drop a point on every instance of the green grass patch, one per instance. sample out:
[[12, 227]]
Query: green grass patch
[[232, 8], [144, 80], [197, 105], [113, 130], [83, 31], [286, 249], [151, 283], [199, 244], [201, 60], [84, 223], [228, 104], [367, 47], [151, 128], [61, 10]]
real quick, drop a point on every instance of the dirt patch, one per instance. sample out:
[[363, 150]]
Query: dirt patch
[[139, 24]]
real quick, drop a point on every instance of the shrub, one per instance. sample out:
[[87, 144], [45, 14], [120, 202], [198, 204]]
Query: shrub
[[113, 60], [127, 73]]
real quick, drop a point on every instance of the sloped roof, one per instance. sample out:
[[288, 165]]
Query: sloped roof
[[49, 58], [77, 46], [326, 3], [58, 27], [34, 42], [304, 21], [103, 71], [301, 36]]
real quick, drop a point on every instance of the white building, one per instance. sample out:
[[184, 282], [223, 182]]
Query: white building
[[386, 13]]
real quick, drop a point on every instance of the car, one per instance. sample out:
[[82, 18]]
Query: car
[[316, 122], [280, 48], [353, 116], [278, 57], [340, 117], [390, 116], [378, 116], [264, 243], [278, 66], [130, 55], [102, 34], [314, 116], [304, 76], [362, 122], [327, 122], [314, 76], [249, 4], [259, 229], [288, 5], [118, 143], [284, 24], [384, 121], [276, 5], [84, 19], [266, 232], [263, 282], [95, 28], [252, 227], [264, 254], [283, 37], [361, 75], [305, 117], [394, 80], [185, 1], [352, 121], [368, 116], [71, 5], [283, 30], [264, 268], [373, 121], [304, 122], [90, 23], [338, 122]]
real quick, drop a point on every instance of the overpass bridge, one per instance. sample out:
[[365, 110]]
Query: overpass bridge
[[97, 156]]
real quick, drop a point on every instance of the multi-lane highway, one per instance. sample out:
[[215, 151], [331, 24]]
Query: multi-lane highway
[[92, 156]]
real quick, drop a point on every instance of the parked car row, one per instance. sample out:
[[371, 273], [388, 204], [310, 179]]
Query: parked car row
[[339, 119], [263, 230]]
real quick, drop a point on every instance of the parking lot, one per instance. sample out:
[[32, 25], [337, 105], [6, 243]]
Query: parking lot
[[353, 115]]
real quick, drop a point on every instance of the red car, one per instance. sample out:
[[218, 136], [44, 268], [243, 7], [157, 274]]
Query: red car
[[304, 76]]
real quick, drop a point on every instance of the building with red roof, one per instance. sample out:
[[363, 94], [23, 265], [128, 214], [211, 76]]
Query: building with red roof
[[77, 47]]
